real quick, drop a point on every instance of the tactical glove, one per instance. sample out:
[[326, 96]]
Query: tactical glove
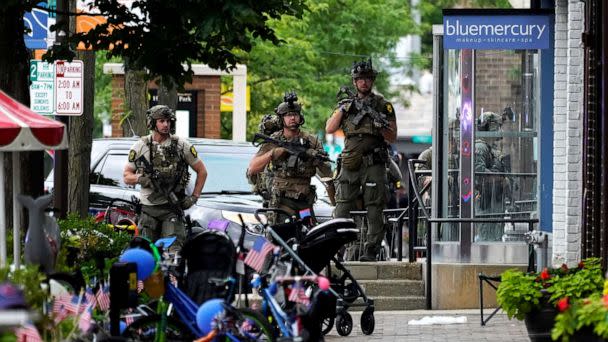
[[188, 202], [279, 153], [144, 181]]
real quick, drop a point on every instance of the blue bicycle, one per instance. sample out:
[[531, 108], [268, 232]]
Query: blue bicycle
[[174, 315]]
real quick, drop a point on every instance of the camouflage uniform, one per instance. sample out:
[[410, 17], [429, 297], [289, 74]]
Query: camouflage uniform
[[489, 189], [261, 183], [170, 160], [290, 182], [362, 171]]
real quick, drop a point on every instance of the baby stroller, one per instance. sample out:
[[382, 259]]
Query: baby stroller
[[208, 260], [316, 248]]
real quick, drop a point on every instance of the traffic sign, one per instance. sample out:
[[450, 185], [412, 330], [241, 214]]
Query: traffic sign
[[42, 96], [68, 87], [37, 23]]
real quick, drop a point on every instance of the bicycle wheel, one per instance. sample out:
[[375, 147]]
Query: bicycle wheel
[[251, 325], [144, 329]]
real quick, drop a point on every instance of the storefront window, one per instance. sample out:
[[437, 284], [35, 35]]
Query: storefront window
[[503, 155]]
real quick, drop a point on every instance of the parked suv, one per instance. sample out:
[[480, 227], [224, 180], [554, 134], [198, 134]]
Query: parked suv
[[226, 194]]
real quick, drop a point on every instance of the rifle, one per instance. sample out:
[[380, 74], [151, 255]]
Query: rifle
[[169, 195], [363, 109], [296, 149]]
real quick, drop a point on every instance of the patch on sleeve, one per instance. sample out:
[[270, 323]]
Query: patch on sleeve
[[193, 151], [389, 107], [132, 155]]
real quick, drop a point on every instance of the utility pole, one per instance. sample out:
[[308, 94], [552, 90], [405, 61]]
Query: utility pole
[[60, 181]]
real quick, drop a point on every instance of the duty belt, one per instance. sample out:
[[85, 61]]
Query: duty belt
[[375, 156], [360, 135]]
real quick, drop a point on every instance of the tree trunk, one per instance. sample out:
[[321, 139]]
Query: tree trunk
[[167, 94], [14, 71], [136, 96], [81, 138]]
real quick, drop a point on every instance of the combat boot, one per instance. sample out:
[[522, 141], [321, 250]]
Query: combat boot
[[369, 254]]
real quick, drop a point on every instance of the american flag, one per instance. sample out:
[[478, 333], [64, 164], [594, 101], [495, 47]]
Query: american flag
[[90, 298], [103, 298], [28, 333], [257, 255], [84, 323], [66, 305], [298, 295]]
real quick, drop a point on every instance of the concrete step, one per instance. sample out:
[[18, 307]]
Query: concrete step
[[383, 303], [383, 270], [392, 288]]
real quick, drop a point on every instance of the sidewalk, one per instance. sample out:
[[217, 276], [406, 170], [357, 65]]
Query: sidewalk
[[393, 326]]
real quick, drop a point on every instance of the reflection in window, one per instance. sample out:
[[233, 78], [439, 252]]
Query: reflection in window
[[110, 170], [505, 157]]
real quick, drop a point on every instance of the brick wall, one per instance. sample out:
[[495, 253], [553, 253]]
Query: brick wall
[[567, 128], [207, 102], [497, 80]]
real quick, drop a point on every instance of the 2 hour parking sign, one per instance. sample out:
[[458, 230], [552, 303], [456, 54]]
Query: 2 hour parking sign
[[68, 87]]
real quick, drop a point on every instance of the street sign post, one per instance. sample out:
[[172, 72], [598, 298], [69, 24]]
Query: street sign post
[[42, 96], [68, 88]]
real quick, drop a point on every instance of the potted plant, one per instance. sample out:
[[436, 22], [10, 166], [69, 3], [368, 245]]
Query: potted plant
[[583, 319], [533, 296]]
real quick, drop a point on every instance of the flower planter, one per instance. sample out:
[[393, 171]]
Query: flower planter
[[586, 334], [540, 322]]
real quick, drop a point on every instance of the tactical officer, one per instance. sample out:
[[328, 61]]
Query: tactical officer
[[262, 181], [159, 163], [291, 172], [489, 189], [369, 124]]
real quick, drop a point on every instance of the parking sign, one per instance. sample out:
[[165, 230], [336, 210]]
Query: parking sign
[[42, 96], [68, 88]]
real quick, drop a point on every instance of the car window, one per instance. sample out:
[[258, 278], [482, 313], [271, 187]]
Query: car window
[[225, 172], [109, 170]]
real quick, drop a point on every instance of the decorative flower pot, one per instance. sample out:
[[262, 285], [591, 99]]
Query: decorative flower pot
[[540, 322]]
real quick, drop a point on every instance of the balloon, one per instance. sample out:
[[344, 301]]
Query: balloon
[[122, 326], [323, 283], [208, 314], [144, 260]]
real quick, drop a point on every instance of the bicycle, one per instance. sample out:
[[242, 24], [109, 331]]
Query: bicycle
[[162, 324]]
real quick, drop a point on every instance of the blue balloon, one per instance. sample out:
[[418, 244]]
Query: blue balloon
[[144, 260], [122, 326], [208, 313]]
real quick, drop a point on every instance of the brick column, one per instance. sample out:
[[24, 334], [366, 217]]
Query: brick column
[[567, 123]]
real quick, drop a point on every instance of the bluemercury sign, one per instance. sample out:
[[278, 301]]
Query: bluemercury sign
[[497, 31]]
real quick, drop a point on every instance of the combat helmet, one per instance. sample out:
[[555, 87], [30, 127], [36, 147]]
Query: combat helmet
[[489, 121], [363, 69], [160, 112], [289, 105], [270, 123]]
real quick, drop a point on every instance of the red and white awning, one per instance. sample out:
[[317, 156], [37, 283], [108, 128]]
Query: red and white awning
[[21, 129]]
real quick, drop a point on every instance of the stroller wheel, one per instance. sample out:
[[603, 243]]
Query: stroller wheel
[[344, 324], [368, 322], [327, 324]]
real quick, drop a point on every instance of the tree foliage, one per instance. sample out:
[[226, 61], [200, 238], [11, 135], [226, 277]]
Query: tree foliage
[[318, 51], [161, 36]]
